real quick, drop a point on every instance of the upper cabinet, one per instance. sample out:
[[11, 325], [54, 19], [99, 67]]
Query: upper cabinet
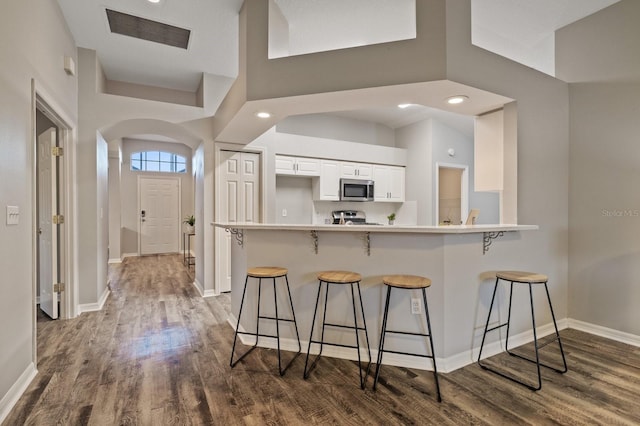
[[356, 170], [388, 180], [297, 166], [327, 187], [389, 183]]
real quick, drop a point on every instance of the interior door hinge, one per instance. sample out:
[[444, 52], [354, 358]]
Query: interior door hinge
[[58, 219], [58, 287], [57, 151]]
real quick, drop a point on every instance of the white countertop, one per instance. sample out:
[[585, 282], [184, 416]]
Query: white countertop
[[448, 229]]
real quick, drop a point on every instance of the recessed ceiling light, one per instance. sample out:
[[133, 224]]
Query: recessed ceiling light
[[263, 114], [458, 99], [403, 106], [153, 1]]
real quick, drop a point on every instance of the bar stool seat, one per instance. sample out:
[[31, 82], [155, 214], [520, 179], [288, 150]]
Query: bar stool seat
[[260, 273], [529, 278], [267, 272], [406, 282], [522, 277], [339, 278]]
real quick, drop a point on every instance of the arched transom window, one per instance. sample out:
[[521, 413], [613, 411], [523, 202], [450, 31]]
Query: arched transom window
[[158, 161]]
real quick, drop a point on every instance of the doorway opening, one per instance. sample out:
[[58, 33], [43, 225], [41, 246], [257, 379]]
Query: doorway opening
[[52, 148], [452, 193]]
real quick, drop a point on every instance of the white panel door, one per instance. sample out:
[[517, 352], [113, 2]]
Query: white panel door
[[47, 231], [159, 215], [239, 201]]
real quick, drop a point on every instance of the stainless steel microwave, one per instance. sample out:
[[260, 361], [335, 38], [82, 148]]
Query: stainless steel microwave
[[356, 190]]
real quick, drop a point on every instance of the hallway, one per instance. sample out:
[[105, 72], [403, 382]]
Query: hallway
[[158, 354]]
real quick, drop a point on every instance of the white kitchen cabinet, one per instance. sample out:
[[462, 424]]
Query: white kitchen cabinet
[[327, 186], [297, 166], [389, 183], [356, 170]]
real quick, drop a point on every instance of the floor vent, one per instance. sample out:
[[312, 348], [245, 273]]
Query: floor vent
[[145, 29]]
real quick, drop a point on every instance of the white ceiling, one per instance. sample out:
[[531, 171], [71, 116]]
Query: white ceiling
[[511, 25], [213, 45]]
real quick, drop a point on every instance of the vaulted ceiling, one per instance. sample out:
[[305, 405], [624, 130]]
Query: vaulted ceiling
[[520, 29]]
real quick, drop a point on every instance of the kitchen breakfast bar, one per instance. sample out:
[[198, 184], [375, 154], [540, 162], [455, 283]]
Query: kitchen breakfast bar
[[459, 261]]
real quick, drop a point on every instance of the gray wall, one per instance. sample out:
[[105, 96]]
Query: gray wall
[[38, 39], [335, 127], [601, 51]]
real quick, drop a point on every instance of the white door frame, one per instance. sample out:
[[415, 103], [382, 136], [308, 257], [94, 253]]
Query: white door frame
[[43, 101], [464, 190], [221, 146], [169, 177]]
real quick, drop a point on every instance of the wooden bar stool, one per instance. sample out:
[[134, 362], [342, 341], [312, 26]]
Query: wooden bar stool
[[529, 278], [406, 282], [261, 273], [339, 278]]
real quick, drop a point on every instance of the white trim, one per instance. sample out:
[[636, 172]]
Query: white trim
[[205, 293], [609, 333], [445, 365], [125, 255], [14, 393], [116, 260], [92, 307], [453, 362]]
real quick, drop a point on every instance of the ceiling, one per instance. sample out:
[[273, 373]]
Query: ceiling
[[516, 25]]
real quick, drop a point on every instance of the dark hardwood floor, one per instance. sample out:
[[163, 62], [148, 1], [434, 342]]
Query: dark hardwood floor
[[158, 354]]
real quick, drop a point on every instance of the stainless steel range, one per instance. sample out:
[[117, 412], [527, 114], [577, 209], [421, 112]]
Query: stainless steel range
[[350, 217]]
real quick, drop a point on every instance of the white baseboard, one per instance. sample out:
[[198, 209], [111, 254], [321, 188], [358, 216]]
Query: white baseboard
[[445, 365], [92, 307], [205, 293], [16, 390], [609, 333], [115, 260], [125, 255]]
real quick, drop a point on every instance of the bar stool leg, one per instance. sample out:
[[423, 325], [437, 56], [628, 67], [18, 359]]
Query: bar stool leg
[[363, 380], [293, 313], [366, 332], [486, 327], [313, 322], [555, 325], [275, 305], [506, 343], [235, 336], [433, 353], [382, 336]]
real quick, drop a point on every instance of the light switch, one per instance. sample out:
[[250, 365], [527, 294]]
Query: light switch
[[13, 215]]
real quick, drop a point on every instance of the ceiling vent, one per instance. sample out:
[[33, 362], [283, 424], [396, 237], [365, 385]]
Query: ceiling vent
[[145, 29]]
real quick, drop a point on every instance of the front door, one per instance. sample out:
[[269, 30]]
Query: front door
[[47, 230], [239, 198], [159, 201]]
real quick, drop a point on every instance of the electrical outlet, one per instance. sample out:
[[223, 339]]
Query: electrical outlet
[[284, 212], [416, 307]]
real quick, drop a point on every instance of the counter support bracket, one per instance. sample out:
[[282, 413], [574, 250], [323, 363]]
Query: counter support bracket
[[238, 234], [487, 239], [367, 240], [314, 237]]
